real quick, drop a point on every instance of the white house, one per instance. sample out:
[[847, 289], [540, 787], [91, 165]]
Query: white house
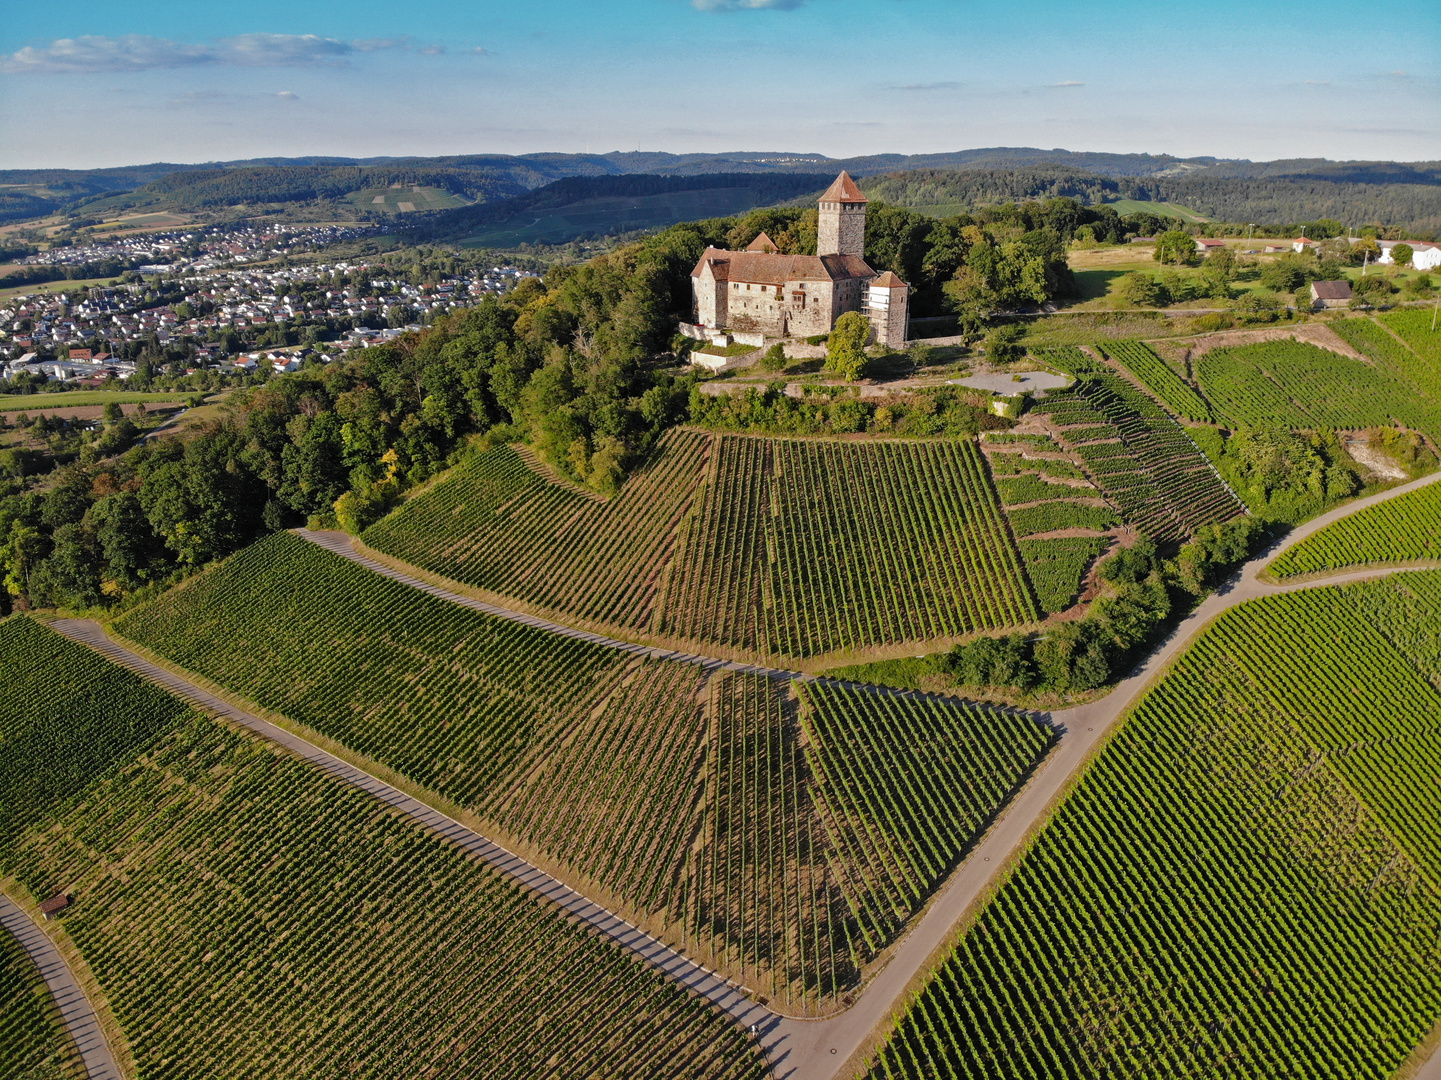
[[1424, 256]]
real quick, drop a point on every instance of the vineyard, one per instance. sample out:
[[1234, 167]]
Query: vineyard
[[33, 1043], [1401, 530], [94, 716], [1057, 566], [1246, 882], [1180, 397], [496, 524], [773, 547], [1298, 385], [273, 921], [1422, 362], [1135, 452], [691, 801]]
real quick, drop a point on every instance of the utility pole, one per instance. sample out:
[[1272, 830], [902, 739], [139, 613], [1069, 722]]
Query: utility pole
[[1434, 311]]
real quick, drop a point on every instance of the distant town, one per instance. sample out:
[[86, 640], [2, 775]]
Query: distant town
[[225, 300]]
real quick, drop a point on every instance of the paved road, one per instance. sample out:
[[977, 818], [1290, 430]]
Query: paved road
[[797, 1049], [75, 1010]]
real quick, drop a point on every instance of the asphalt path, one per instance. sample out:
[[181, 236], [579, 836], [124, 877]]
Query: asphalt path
[[797, 1049], [75, 1010]]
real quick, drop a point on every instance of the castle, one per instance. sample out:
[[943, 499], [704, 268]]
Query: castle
[[758, 290]]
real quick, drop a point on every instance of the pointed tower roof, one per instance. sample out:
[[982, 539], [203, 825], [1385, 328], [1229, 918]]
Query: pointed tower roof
[[844, 190], [888, 280], [763, 243]]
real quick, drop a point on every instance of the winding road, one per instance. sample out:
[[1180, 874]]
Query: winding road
[[796, 1049], [76, 1012]]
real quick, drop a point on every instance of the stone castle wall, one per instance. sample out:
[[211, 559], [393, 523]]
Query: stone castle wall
[[841, 229]]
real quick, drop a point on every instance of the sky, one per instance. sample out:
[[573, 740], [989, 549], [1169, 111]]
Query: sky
[[85, 84]]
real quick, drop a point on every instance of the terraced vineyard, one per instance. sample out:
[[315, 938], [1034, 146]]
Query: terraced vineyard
[[694, 803], [1140, 457], [1422, 363], [271, 920], [34, 1044], [1299, 385], [1175, 391], [1401, 530], [1245, 882], [771, 547]]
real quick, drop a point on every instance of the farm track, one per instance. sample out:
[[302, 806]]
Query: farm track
[[802, 1049], [76, 1012]]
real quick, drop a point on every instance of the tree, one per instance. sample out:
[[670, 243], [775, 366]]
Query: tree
[[1401, 254], [112, 412], [1175, 246], [846, 347], [1003, 344], [1218, 272], [1142, 290]]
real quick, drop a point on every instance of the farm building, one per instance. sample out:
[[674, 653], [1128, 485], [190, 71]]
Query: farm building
[[1207, 244], [1424, 256], [54, 906], [1330, 293], [761, 290]]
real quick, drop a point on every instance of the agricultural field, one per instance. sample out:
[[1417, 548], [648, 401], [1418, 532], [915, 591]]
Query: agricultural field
[[1299, 385], [34, 1044], [1177, 394], [784, 548], [405, 199], [1142, 460], [1243, 883], [36, 403], [1057, 566], [261, 897], [713, 808], [1406, 529]]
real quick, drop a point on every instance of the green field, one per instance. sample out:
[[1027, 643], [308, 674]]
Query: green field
[[1247, 881], [641, 780], [248, 915], [79, 398], [34, 1044], [1402, 530], [1175, 210], [606, 215], [1296, 384], [773, 547], [408, 199]]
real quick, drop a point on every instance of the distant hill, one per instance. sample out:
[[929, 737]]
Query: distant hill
[[583, 206], [1398, 193]]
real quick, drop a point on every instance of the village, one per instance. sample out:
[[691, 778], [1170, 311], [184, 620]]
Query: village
[[212, 306]]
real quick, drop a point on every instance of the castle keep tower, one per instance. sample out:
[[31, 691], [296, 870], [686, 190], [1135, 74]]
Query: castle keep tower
[[842, 228]]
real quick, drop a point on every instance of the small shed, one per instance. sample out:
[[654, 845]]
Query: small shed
[[1207, 244], [54, 906], [1330, 293]]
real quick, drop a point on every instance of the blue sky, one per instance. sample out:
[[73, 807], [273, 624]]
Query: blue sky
[[85, 84]]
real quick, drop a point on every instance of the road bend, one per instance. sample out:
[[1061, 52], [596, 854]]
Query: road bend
[[76, 1012], [796, 1049]]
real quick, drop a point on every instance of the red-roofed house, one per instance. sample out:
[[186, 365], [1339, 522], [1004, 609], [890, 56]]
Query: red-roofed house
[[761, 290]]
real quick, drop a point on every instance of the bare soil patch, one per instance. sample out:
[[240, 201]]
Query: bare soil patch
[[1182, 350]]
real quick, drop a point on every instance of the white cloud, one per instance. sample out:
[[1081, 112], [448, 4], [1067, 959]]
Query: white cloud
[[746, 5], [139, 52], [1068, 82], [288, 95], [930, 86]]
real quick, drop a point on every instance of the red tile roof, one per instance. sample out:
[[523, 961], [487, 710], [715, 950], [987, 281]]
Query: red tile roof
[[762, 243], [59, 902], [759, 268], [844, 190], [888, 280]]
